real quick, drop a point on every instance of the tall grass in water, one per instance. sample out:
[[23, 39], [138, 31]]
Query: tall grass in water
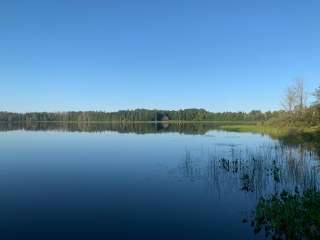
[[269, 169]]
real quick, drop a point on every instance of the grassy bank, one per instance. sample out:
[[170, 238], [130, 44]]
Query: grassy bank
[[272, 130]]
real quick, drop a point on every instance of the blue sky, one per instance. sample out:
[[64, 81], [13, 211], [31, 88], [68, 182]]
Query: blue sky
[[226, 55]]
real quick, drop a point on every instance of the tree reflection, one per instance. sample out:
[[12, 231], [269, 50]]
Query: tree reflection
[[309, 141], [120, 127]]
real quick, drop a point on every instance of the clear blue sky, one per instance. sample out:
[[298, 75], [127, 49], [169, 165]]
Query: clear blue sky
[[226, 55]]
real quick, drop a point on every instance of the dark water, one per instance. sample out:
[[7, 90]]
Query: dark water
[[141, 181]]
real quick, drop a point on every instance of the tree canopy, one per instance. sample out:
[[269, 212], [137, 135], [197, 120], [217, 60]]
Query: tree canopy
[[138, 115]]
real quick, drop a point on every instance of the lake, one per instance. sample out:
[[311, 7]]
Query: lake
[[141, 181]]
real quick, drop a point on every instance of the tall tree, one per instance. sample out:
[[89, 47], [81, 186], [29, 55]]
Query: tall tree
[[300, 93], [289, 100], [317, 96], [295, 98]]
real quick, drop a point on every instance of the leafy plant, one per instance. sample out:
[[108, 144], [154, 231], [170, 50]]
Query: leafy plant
[[289, 215]]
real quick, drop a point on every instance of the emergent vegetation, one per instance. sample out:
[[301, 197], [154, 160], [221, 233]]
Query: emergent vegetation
[[289, 215]]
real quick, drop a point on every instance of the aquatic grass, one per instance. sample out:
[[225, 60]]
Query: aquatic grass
[[289, 215], [268, 169]]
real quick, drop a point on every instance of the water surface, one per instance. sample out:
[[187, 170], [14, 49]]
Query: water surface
[[141, 181]]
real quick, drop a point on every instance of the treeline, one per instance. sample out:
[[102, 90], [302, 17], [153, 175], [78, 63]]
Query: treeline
[[138, 115], [296, 112]]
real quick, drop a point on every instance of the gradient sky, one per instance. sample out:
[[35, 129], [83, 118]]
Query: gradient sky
[[226, 55]]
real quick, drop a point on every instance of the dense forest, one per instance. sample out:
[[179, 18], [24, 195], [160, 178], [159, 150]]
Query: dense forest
[[138, 115]]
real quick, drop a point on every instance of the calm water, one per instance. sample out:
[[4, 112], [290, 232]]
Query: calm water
[[141, 181]]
